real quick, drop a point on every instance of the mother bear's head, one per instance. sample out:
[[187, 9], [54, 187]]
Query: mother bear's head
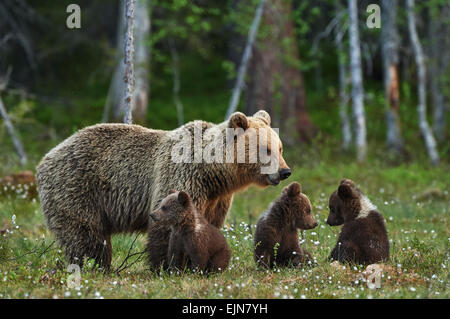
[[258, 150]]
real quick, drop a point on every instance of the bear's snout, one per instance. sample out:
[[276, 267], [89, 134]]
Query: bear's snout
[[334, 219], [331, 221], [285, 173], [313, 224]]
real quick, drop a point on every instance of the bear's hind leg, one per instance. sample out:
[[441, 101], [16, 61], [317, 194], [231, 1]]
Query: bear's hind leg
[[83, 241]]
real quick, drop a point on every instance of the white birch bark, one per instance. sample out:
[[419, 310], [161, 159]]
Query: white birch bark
[[343, 89], [129, 63], [389, 37], [357, 84], [116, 93], [245, 59], [427, 134]]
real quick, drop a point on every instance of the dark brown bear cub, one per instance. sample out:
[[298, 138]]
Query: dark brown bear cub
[[276, 237], [363, 238], [194, 242]]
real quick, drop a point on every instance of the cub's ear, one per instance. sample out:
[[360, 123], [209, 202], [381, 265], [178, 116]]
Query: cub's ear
[[171, 191], [347, 181], [294, 189], [238, 120], [346, 191], [184, 199], [263, 115]]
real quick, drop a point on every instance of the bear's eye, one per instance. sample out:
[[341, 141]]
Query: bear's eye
[[164, 207]]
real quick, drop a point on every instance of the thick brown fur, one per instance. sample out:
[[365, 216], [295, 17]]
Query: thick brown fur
[[277, 229], [105, 179], [194, 243], [363, 238]]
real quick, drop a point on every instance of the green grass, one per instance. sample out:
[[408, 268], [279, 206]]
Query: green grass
[[413, 199]]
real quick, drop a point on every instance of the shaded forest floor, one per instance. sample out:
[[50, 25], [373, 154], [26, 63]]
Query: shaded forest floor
[[412, 197]]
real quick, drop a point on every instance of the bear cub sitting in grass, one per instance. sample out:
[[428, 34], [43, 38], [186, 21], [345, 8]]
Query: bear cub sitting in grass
[[193, 242], [276, 237], [363, 238]]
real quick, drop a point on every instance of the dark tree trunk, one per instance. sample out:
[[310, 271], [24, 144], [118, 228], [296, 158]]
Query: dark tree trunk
[[276, 83]]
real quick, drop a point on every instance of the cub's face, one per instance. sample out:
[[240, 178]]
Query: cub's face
[[336, 217], [173, 206], [299, 206]]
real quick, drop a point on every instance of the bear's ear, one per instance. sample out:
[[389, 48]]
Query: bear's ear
[[184, 199], [346, 191], [171, 191], [238, 120], [294, 189], [347, 181], [263, 115]]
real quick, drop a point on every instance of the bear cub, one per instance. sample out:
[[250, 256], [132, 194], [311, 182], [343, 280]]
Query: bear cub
[[193, 243], [276, 237], [363, 238]]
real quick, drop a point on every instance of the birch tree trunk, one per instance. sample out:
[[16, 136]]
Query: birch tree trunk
[[245, 60], [115, 100], [16, 141], [129, 63], [427, 134], [439, 56], [343, 85], [357, 84], [389, 36]]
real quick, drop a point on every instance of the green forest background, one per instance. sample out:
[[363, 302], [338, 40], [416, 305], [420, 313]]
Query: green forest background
[[61, 85]]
